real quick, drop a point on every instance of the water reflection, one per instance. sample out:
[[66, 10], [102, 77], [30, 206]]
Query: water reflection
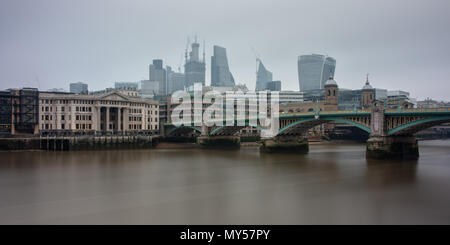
[[333, 184]]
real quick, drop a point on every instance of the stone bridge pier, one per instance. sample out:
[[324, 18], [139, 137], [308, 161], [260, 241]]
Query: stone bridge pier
[[208, 141], [383, 146], [285, 144]]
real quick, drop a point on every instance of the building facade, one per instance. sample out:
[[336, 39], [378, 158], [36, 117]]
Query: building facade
[[314, 70], [274, 86], [126, 85], [19, 112], [157, 74], [175, 80], [367, 95], [194, 69], [111, 112], [78, 88], [220, 72], [263, 76]]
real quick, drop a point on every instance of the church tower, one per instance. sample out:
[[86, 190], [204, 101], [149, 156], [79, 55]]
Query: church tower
[[367, 95], [331, 95]]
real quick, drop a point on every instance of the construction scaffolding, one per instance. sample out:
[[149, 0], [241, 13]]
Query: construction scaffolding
[[19, 111]]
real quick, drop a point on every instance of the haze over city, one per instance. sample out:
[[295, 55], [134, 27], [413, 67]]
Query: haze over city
[[402, 44]]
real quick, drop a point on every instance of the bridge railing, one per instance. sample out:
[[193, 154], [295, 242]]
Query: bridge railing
[[324, 112], [444, 109]]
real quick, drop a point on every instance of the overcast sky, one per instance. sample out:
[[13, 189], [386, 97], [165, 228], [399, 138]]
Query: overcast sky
[[403, 44]]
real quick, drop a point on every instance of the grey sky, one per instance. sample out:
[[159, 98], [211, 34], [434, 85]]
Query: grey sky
[[403, 44]]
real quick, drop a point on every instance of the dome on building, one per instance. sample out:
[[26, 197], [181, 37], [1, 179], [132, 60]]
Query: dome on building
[[367, 85], [331, 82]]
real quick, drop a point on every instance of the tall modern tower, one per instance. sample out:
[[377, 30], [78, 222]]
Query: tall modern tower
[[158, 74], [220, 73], [314, 70], [175, 80], [79, 88], [194, 69], [263, 76]]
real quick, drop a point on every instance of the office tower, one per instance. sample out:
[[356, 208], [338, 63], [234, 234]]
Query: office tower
[[274, 86], [79, 88], [175, 80], [263, 76], [194, 69], [126, 85], [220, 73], [148, 88], [314, 70], [158, 74]]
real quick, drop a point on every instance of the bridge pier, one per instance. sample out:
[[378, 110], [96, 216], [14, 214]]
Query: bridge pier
[[219, 142], [380, 145], [384, 147], [285, 144]]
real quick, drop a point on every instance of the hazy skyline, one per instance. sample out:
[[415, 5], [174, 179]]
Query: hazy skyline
[[403, 44]]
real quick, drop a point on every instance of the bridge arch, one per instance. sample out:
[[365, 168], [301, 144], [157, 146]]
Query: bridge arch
[[308, 123], [182, 129], [418, 125], [230, 130]]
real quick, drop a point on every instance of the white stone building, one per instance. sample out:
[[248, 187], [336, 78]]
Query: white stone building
[[111, 112]]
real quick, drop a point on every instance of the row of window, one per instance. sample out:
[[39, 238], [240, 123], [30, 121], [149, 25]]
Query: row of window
[[83, 108], [47, 108], [81, 126], [135, 119], [83, 117], [139, 126]]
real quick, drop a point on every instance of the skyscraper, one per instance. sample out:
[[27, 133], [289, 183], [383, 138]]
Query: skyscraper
[[220, 73], [175, 80], [158, 74], [274, 86], [263, 76], [194, 69], [126, 85], [79, 88], [314, 70]]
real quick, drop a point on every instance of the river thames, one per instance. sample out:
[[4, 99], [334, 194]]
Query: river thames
[[332, 184]]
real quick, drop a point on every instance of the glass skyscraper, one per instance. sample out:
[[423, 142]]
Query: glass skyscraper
[[314, 70], [263, 77], [158, 74], [220, 73]]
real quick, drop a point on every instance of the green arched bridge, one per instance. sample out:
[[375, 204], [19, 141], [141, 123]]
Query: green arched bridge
[[396, 122], [387, 128]]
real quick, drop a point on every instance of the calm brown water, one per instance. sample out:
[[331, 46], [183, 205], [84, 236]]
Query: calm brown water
[[333, 184]]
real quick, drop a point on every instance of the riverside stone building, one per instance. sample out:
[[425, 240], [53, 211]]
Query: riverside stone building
[[110, 112]]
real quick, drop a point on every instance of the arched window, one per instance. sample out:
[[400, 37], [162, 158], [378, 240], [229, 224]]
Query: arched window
[[334, 92], [329, 92]]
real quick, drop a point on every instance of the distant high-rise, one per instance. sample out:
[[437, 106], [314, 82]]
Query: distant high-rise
[[79, 88], [194, 69], [149, 88], [314, 70], [263, 76], [274, 86], [175, 80], [158, 74], [220, 73], [126, 85]]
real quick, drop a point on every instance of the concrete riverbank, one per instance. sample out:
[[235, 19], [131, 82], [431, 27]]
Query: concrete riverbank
[[78, 143]]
